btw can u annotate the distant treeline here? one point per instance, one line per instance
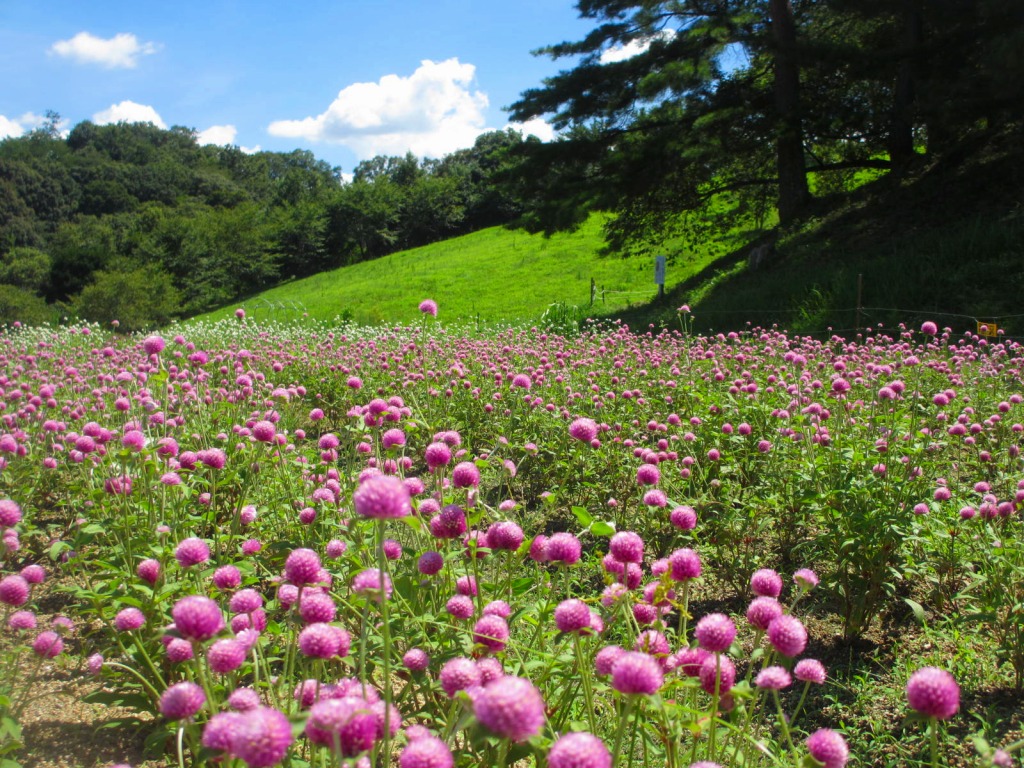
(133, 222)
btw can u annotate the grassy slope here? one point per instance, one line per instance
(946, 244)
(494, 275)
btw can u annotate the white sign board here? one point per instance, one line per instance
(659, 270)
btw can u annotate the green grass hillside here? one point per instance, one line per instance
(494, 275)
(946, 244)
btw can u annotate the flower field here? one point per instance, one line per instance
(431, 547)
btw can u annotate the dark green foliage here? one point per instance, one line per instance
(19, 305)
(218, 223)
(26, 268)
(138, 299)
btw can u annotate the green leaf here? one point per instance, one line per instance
(602, 528)
(918, 611)
(584, 517)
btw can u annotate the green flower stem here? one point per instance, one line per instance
(584, 673)
(627, 707)
(386, 685)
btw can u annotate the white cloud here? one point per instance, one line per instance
(431, 112)
(18, 126)
(221, 135)
(634, 47)
(129, 112)
(120, 51)
(536, 127)
(10, 128)
(251, 150)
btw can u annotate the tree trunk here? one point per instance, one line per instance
(789, 146)
(901, 128)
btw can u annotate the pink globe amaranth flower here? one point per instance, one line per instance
(645, 614)
(510, 707)
(372, 585)
(416, 660)
(324, 641)
(382, 497)
(497, 608)
(21, 620)
(684, 564)
(264, 431)
(182, 701)
(766, 583)
(762, 611)
(149, 570)
(392, 438)
(810, 671)
(583, 430)
(192, 551)
(689, 660)
(653, 643)
(243, 699)
(491, 632)
(317, 607)
(572, 616)
(262, 738)
(449, 523)
(428, 307)
(563, 548)
(153, 345)
(579, 750)
(522, 381)
(806, 579)
(227, 577)
(48, 644)
(129, 619)
(437, 455)
(717, 665)
(773, 678)
(10, 513)
(605, 659)
(637, 673)
(426, 752)
(466, 474)
(430, 563)
(335, 548)
(715, 632)
(505, 535)
(460, 607)
(347, 724)
(828, 748)
(929, 328)
(14, 590)
(787, 635)
(245, 601)
(178, 650)
(95, 664)
(684, 518)
(118, 486)
(197, 617)
(302, 567)
(225, 655)
(627, 547)
(220, 731)
(933, 692)
(459, 674)
(647, 474)
(214, 458)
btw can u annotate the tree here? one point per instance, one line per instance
(25, 268)
(664, 129)
(138, 298)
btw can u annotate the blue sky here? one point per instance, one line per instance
(347, 79)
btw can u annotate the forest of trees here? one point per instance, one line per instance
(768, 101)
(133, 222)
